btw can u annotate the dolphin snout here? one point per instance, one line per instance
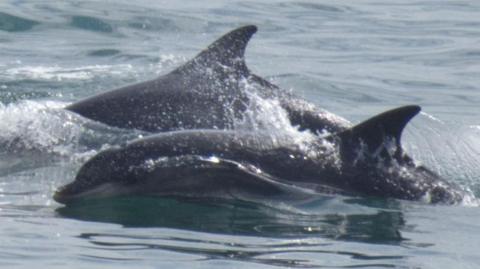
(64, 194)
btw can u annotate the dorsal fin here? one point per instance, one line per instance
(375, 131)
(228, 50)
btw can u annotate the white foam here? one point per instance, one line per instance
(37, 126)
(58, 73)
(470, 200)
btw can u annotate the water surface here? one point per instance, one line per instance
(355, 59)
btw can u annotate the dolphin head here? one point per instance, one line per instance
(103, 175)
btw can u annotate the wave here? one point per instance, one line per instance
(12, 23)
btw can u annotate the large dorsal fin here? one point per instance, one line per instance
(375, 131)
(228, 50)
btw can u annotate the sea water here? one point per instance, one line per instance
(353, 58)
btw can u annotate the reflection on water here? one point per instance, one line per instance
(306, 232)
(236, 217)
(260, 253)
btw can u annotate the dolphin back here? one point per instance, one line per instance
(199, 94)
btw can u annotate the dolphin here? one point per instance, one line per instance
(366, 159)
(207, 92)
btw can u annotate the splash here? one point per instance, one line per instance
(45, 127)
(450, 149)
(266, 114)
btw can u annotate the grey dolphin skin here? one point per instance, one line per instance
(207, 92)
(366, 159)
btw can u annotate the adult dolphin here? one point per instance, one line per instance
(207, 92)
(367, 159)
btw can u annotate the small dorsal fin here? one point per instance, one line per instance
(375, 131)
(228, 50)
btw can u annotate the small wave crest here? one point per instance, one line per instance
(57, 73)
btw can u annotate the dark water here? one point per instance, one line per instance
(354, 58)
